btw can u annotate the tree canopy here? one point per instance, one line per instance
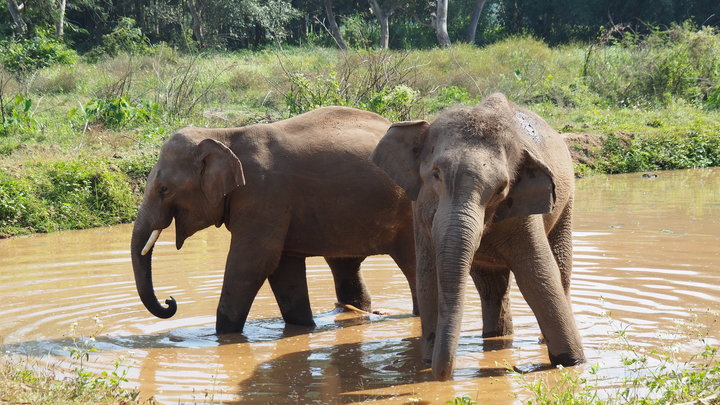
(399, 24)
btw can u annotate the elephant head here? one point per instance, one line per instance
(471, 168)
(190, 182)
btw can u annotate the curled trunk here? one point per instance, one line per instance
(142, 267)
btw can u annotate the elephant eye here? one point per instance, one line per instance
(436, 173)
(163, 190)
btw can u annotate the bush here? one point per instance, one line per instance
(126, 37)
(679, 63)
(118, 112)
(22, 57)
(659, 152)
(16, 116)
(74, 194)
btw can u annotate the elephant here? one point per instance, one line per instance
(295, 188)
(492, 189)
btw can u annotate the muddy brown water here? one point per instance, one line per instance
(647, 255)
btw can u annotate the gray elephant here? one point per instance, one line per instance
(295, 188)
(493, 189)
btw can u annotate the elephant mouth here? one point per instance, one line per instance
(180, 235)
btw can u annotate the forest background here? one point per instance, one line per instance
(89, 89)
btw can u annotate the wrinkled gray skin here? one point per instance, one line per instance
(295, 188)
(493, 189)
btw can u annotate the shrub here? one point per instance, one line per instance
(22, 57)
(659, 152)
(679, 63)
(126, 37)
(118, 112)
(75, 194)
(16, 116)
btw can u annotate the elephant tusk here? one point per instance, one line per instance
(151, 241)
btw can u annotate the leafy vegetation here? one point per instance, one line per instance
(75, 153)
(21, 382)
(651, 378)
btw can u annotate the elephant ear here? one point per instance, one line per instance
(220, 170)
(398, 154)
(532, 191)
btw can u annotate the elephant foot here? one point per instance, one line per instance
(299, 319)
(427, 348)
(224, 325)
(567, 359)
(503, 327)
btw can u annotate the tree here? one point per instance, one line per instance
(15, 11)
(383, 16)
(334, 30)
(196, 15)
(60, 24)
(441, 24)
(472, 28)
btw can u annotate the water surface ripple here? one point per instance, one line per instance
(645, 259)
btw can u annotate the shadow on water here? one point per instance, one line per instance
(355, 372)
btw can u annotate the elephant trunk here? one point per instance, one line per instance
(457, 245)
(141, 252)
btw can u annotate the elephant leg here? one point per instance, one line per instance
(247, 268)
(528, 254)
(349, 285)
(560, 239)
(289, 285)
(494, 288)
(404, 256)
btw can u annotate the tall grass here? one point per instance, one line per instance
(654, 98)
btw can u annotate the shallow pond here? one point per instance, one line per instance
(647, 256)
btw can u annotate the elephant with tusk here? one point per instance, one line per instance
(287, 190)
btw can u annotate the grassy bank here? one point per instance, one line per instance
(77, 141)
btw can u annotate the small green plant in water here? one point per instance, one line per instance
(86, 381)
(652, 378)
(463, 400)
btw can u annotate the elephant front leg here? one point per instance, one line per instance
(494, 288)
(350, 288)
(530, 258)
(246, 270)
(289, 285)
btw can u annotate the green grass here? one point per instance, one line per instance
(23, 382)
(77, 142)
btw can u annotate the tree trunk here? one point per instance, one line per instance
(472, 29)
(441, 24)
(15, 10)
(384, 21)
(60, 26)
(196, 14)
(334, 30)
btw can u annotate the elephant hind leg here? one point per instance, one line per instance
(493, 285)
(349, 285)
(289, 285)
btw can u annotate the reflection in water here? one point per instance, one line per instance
(645, 252)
